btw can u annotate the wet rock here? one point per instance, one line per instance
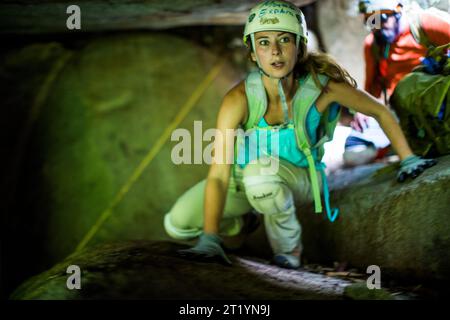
(151, 270)
(101, 15)
(401, 227)
(98, 110)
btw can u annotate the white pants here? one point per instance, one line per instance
(273, 194)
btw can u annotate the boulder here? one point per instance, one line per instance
(29, 17)
(86, 128)
(152, 270)
(401, 227)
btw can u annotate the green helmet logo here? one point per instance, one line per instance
(269, 20)
(251, 17)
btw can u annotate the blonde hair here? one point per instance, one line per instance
(320, 63)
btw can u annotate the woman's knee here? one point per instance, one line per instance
(265, 188)
(181, 230)
(268, 194)
(185, 219)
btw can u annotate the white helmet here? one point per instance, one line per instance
(276, 16)
(370, 6)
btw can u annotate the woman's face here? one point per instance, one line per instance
(276, 52)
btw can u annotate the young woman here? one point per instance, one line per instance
(276, 34)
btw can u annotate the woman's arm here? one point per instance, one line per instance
(360, 101)
(231, 114)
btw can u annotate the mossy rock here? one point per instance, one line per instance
(107, 106)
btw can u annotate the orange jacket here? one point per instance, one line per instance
(403, 56)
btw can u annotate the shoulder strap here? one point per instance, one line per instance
(375, 49)
(305, 97)
(417, 31)
(328, 123)
(256, 99)
(416, 27)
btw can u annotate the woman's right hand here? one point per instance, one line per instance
(208, 249)
(231, 114)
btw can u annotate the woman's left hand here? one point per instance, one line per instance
(359, 101)
(413, 166)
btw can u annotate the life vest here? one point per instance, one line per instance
(308, 92)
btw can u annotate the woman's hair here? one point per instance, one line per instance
(318, 63)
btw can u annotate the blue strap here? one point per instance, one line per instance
(326, 195)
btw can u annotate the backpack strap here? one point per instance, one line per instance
(256, 99)
(256, 108)
(378, 55)
(417, 31)
(309, 92)
(328, 122)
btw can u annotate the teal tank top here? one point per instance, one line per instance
(278, 141)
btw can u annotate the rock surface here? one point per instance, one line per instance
(82, 132)
(89, 112)
(151, 270)
(403, 228)
(29, 17)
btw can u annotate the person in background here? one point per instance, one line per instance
(397, 43)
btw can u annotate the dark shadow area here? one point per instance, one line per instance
(26, 206)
